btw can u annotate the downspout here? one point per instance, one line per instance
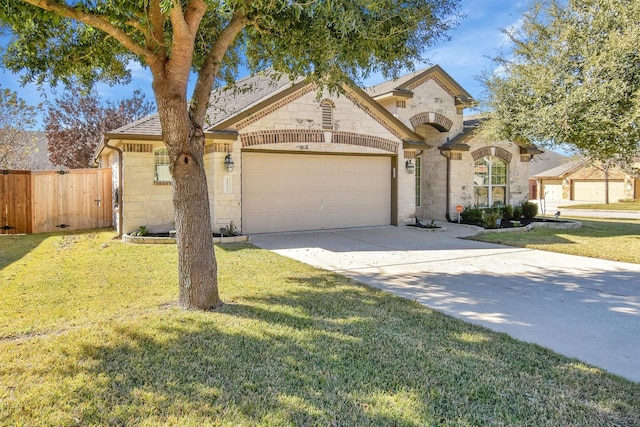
(120, 181)
(448, 195)
(446, 150)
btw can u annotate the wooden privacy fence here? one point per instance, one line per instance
(44, 201)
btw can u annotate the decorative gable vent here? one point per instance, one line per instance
(327, 113)
(401, 104)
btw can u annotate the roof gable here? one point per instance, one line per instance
(229, 106)
(407, 83)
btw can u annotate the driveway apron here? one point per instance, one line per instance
(580, 307)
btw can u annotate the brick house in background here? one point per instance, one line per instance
(584, 180)
(308, 160)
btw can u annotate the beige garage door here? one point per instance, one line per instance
(552, 190)
(594, 191)
(292, 192)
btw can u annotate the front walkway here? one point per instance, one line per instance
(581, 307)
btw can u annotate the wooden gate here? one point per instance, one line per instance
(47, 201)
(15, 202)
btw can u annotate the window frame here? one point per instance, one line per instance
(496, 177)
(161, 158)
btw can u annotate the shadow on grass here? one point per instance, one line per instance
(14, 247)
(307, 348)
(589, 229)
(305, 357)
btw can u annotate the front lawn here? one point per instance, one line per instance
(622, 206)
(615, 240)
(90, 335)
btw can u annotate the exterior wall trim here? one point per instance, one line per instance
(492, 151)
(284, 136)
(437, 120)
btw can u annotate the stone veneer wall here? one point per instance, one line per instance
(225, 188)
(305, 113)
(462, 174)
(145, 203)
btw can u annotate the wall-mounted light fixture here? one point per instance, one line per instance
(228, 163)
(410, 166)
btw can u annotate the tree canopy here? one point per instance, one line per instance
(57, 39)
(76, 122)
(572, 76)
(328, 41)
(16, 142)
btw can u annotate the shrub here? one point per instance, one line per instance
(490, 217)
(471, 215)
(507, 213)
(529, 210)
(517, 212)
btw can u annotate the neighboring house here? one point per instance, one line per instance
(540, 163)
(585, 180)
(36, 154)
(39, 157)
(305, 160)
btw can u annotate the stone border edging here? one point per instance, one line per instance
(150, 240)
(565, 225)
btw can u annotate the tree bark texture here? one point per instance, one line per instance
(197, 267)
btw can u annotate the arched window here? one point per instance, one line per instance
(327, 113)
(490, 182)
(161, 161)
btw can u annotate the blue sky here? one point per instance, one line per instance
(464, 56)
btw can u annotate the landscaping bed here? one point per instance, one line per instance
(169, 238)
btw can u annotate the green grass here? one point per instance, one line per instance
(91, 335)
(622, 206)
(615, 240)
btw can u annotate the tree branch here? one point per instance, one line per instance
(156, 21)
(211, 66)
(66, 11)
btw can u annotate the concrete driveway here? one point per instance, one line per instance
(581, 307)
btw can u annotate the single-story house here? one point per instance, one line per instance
(541, 163)
(305, 159)
(584, 180)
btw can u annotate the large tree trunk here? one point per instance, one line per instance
(197, 269)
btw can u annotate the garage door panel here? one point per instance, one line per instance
(309, 192)
(594, 191)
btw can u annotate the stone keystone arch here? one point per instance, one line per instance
(436, 120)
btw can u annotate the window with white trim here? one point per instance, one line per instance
(490, 182)
(161, 161)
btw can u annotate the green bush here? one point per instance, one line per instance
(507, 212)
(517, 212)
(490, 217)
(471, 215)
(529, 210)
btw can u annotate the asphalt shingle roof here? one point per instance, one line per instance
(390, 85)
(558, 171)
(224, 103)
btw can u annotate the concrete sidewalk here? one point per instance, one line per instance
(581, 307)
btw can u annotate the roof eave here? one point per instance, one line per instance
(401, 94)
(383, 112)
(410, 144)
(459, 91)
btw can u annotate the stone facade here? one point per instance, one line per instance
(407, 122)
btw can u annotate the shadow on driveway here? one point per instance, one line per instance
(581, 307)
